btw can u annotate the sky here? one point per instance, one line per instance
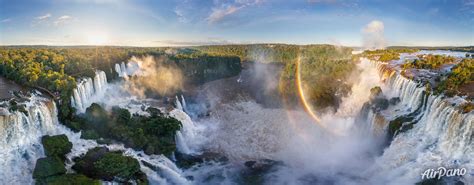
(207, 22)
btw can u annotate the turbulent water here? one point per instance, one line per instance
(87, 90)
(20, 145)
(354, 152)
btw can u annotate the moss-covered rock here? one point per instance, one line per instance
(56, 146)
(394, 100)
(69, 179)
(47, 167)
(375, 92)
(100, 163)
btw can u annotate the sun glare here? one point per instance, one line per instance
(97, 39)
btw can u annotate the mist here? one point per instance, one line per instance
(243, 127)
(373, 35)
(154, 76)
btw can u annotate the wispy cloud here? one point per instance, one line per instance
(219, 13)
(62, 20)
(5, 20)
(98, 1)
(322, 1)
(222, 10)
(43, 17)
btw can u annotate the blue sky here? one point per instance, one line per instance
(199, 22)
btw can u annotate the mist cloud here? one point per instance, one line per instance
(155, 76)
(373, 35)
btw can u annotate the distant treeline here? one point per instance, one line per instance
(451, 48)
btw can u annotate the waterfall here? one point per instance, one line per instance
(88, 90)
(178, 104)
(20, 134)
(407, 90)
(20, 145)
(442, 137)
(187, 136)
(183, 103)
(132, 68)
(441, 134)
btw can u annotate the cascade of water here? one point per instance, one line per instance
(20, 145)
(130, 69)
(178, 103)
(87, 89)
(442, 137)
(187, 136)
(19, 139)
(118, 70)
(183, 103)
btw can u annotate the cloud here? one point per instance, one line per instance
(62, 20)
(222, 10)
(219, 13)
(98, 1)
(373, 35)
(181, 17)
(43, 17)
(5, 20)
(322, 1)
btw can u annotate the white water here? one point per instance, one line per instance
(130, 69)
(20, 145)
(88, 90)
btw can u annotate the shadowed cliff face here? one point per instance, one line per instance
(6, 86)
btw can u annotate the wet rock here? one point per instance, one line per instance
(376, 92)
(394, 101)
(70, 179)
(256, 170)
(47, 167)
(380, 104)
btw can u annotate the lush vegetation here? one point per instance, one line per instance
(202, 67)
(54, 69)
(386, 55)
(324, 72)
(153, 134)
(51, 169)
(97, 164)
(462, 74)
(57, 146)
(100, 163)
(429, 62)
(265, 53)
(461, 49)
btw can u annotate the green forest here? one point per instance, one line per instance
(429, 62)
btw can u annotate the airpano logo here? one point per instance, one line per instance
(442, 172)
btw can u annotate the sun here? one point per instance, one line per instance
(97, 39)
